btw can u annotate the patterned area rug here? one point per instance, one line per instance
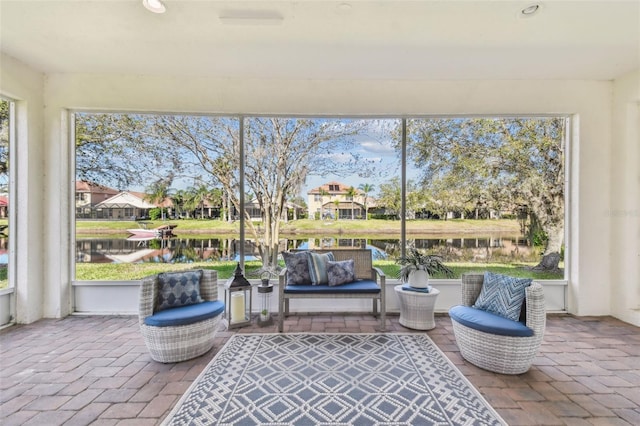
(331, 379)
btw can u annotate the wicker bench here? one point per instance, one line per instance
(369, 284)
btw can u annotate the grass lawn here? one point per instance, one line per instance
(133, 271)
(418, 226)
(311, 227)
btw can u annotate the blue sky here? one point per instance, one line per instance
(374, 148)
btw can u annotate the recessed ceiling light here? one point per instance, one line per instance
(155, 6)
(530, 10)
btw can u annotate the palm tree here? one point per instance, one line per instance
(351, 193)
(366, 188)
(178, 198)
(157, 192)
(216, 198)
(201, 195)
(195, 198)
(337, 204)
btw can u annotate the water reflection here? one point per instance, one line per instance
(185, 250)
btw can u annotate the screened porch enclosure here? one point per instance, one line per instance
(298, 70)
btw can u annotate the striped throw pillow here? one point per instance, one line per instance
(502, 295)
(318, 267)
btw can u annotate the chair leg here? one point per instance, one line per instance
(281, 315)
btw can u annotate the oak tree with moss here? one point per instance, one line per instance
(496, 163)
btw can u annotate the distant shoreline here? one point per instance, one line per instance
(313, 228)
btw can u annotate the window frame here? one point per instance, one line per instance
(569, 137)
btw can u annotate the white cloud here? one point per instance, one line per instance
(378, 148)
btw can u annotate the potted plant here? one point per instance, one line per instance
(417, 266)
(264, 315)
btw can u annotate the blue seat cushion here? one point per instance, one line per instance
(355, 287)
(185, 315)
(489, 323)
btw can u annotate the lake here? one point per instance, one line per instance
(468, 248)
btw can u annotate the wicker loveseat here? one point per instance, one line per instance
(495, 343)
(183, 329)
(369, 283)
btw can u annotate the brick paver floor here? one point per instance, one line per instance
(96, 370)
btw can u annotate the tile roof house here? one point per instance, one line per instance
(88, 195)
(331, 198)
(125, 205)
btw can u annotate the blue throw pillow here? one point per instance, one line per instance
(297, 264)
(502, 295)
(318, 267)
(341, 272)
(178, 289)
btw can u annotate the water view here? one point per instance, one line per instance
(467, 248)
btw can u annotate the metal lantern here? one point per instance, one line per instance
(265, 290)
(237, 295)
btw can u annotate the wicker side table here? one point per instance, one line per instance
(416, 308)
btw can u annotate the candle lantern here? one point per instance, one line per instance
(237, 295)
(265, 290)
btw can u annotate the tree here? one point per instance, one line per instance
(367, 189)
(502, 161)
(196, 197)
(351, 193)
(113, 150)
(279, 154)
(298, 202)
(158, 191)
(177, 198)
(390, 197)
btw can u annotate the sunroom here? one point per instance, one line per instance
(384, 60)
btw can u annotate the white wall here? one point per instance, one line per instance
(624, 213)
(590, 246)
(25, 86)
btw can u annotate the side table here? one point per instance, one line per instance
(416, 308)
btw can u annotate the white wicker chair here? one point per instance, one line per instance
(501, 354)
(183, 342)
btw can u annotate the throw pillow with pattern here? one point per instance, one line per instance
(318, 267)
(297, 264)
(341, 272)
(177, 289)
(502, 295)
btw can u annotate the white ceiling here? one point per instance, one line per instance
(387, 39)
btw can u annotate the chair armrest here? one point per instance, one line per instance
(148, 297)
(471, 286)
(282, 282)
(377, 272)
(380, 278)
(536, 308)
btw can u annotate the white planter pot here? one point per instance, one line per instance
(418, 278)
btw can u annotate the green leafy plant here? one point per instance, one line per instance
(415, 260)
